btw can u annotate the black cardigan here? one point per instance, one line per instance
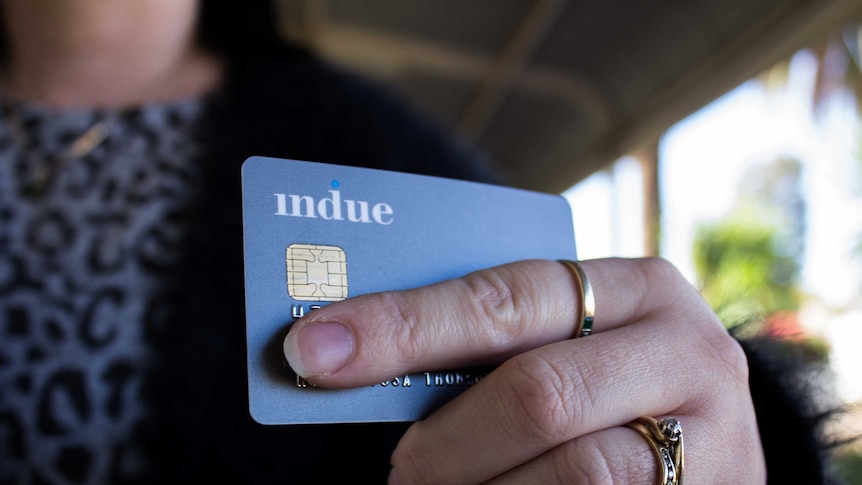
(291, 105)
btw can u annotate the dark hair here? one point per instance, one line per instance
(226, 28)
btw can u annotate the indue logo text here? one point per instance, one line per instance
(333, 208)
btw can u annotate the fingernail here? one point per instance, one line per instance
(318, 349)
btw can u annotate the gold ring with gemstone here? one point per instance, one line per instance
(665, 439)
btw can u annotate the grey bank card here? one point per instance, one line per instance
(317, 233)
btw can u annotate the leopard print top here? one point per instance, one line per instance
(85, 246)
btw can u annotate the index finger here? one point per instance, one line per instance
(482, 318)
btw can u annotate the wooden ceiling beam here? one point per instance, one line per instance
(509, 66)
(387, 56)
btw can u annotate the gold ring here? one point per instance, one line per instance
(588, 300)
(665, 439)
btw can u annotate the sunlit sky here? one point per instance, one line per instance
(702, 160)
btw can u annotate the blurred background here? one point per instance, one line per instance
(722, 135)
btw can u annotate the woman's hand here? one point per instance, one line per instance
(555, 410)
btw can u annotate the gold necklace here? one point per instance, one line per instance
(36, 174)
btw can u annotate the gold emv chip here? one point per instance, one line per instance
(316, 272)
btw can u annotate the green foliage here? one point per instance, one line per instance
(742, 273)
(848, 463)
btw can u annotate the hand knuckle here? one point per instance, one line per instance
(664, 275)
(650, 279)
(542, 404)
(405, 333)
(725, 354)
(589, 461)
(735, 363)
(582, 462)
(500, 307)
